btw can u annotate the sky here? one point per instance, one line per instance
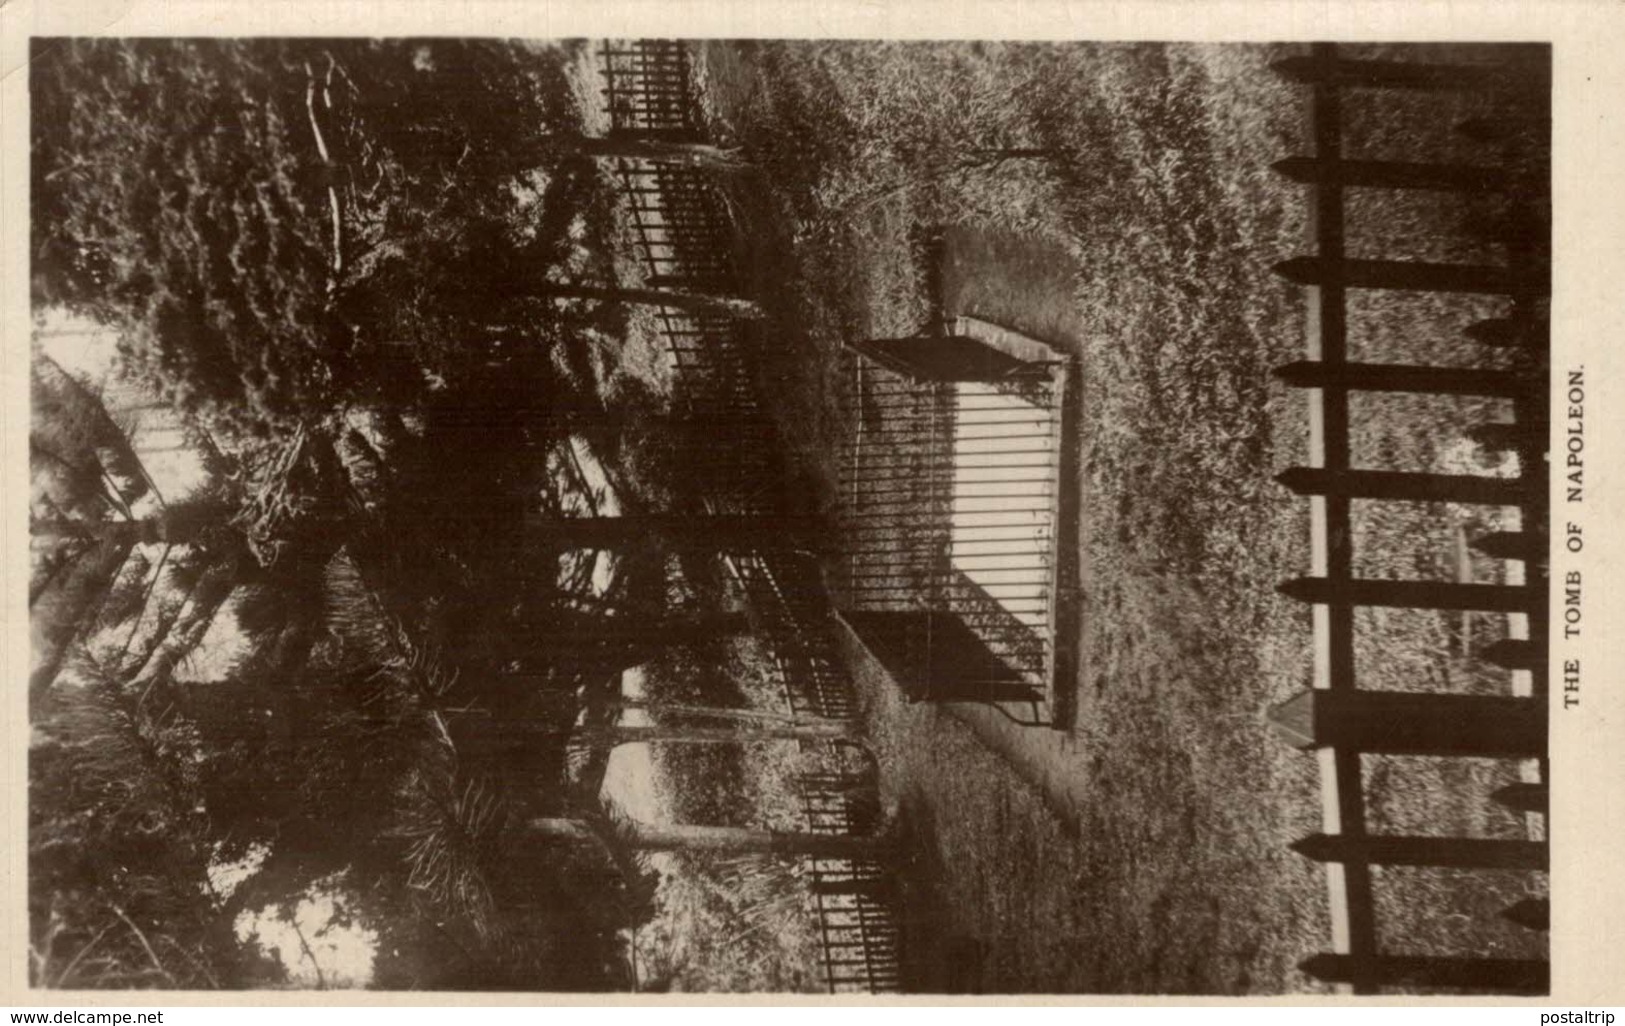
(83, 347)
(334, 954)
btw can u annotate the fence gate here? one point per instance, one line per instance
(1338, 718)
(854, 899)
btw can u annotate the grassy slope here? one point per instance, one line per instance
(1147, 255)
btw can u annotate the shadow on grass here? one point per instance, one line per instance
(936, 960)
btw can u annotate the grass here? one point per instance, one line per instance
(1146, 852)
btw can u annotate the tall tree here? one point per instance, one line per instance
(733, 840)
(284, 227)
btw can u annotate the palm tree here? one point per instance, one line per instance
(86, 479)
(730, 840)
(119, 893)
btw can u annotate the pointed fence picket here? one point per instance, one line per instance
(1337, 718)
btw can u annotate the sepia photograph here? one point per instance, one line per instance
(804, 516)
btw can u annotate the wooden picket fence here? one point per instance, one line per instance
(1337, 717)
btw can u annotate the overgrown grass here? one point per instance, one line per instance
(1143, 245)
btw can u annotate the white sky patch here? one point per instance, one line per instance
(632, 682)
(630, 777)
(593, 472)
(629, 782)
(79, 344)
(331, 954)
(226, 877)
(603, 572)
(222, 646)
(87, 349)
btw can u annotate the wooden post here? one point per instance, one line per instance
(736, 840)
(1525, 545)
(1515, 654)
(1359, 74)
(1494, 598)
(1400, 377)
(1509, 332)
(1406, 723)
(1413, 275)
(1512, 976)
(1517, 226)
(1393, 174)
(1499, 131)
(1406, 486)
(1442, 852)
(1524, 797)
(1531, 913)
(1509, 436)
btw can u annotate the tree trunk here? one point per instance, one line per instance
(641, 146)
(183, 638)
(117, 532)
(677, 299)
(731, 840)
(627, 144)
(614, 736)
(617, 644)
(715, 712)
(678, 532)
(654, 632)
(610, 737)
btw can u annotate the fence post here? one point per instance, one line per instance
(1393, 174)
(1441, 852)
(1400, 377)
(1494, 598)
(1336, 717)
(1412, 275)
(1518, 976)
(1407, 486)
(1358, 74)
(1406, 723)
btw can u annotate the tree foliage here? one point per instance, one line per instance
(340, 261)
(119, 850)
(258, 216)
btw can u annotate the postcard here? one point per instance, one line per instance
(1110, 501)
